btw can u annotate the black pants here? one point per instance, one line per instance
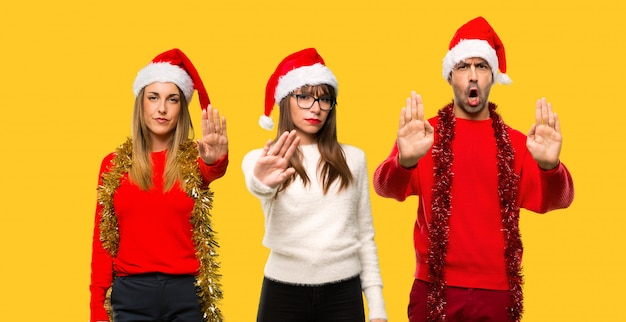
(334, 302)
(155, 297)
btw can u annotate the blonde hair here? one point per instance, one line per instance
(141, 169)
(332, 164)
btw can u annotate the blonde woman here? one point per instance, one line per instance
(152, 242)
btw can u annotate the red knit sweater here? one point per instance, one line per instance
(475, 256)
(155, 230)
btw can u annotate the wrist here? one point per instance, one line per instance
(549, 166)
(407, 163)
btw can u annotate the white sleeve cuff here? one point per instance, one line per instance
(375, 302)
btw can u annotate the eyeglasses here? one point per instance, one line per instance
(306, 102)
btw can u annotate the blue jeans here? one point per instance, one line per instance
(155, 297)
(332, 302)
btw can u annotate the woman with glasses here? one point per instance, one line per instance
(315, 196)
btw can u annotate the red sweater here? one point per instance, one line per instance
(475, 257)
(155, 230)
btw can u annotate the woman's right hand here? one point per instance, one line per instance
(272, 167)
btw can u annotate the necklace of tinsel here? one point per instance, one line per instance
(439, 226)
(207, 280)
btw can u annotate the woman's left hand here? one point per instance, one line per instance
(214, 143)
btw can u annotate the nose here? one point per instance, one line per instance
(472, 74)
(315, 108)
(162, 107)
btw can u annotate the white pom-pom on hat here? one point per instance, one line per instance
(266, 122)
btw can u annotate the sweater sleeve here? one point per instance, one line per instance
(545, 190)
(540, 190)
(371, 280)
(212, 172)
(391, 180)
(101, 261)
(256, 187)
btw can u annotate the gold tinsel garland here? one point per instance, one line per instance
(207, 280)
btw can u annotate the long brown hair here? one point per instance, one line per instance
(141, 169)
(332, 164)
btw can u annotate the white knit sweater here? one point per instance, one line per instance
(315, 238)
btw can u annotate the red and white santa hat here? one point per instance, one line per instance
(173, 66)
(305, 67)
(477, 39)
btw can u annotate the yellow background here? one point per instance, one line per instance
(67, 68)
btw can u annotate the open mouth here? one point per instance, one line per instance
(473, 97)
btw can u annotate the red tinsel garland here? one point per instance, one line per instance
(508, 187)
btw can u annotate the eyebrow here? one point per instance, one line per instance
(464, 63)
(159, 94)
(477, 60)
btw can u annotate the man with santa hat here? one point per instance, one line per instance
(473, 174)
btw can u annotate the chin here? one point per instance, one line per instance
(473, 109)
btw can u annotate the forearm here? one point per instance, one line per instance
(546, 190)
(375, 302)
(558, 187)
(101, 279)
(391, 180)
(258, 189)
(371, 280)
(212, 172)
